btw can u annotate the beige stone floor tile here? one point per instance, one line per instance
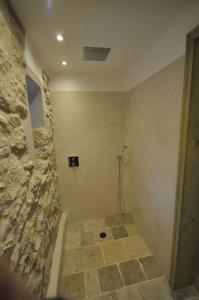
(88, 225)
(106, 296)
(98, 223)
(108, 233)
(131, 293)
(92, 284)
(114, 252)
(87, 238)
(156, 289)
(136, 246)
(73, 235)
(73, 287)
(111, 221)
(74, 227)
(68, 262)
(73, 242)
(109, 278)
(151, 267)
(93, 224)
(131, 272)
(132, 229)
(119, 232)
(88, 257)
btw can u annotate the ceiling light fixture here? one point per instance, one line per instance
(64, 63)
(60, 37)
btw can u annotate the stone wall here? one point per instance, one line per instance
(29, 201)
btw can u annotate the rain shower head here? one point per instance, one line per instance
(96, 53)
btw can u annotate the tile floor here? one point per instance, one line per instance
(117, 267)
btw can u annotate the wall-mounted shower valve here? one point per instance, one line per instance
(73, 161)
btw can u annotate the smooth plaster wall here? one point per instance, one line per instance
(89, 124)
(31, 60)
(152, 134)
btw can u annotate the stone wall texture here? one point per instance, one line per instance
(29, 200)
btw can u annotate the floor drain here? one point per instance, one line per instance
(102, 235)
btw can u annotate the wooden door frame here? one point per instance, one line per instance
(191, 37)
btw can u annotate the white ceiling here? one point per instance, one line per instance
(144, 35)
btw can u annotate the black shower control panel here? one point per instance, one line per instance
(73, 161)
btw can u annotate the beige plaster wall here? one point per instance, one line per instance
(152, 135)
(89, 124)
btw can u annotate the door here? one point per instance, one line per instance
(186, 237)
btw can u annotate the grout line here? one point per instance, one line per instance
(149, 280)
(142, 268)
(85, 283)
(94, 236)
(144, 256)
(125, 248)
(93, 233)
(109, 264)
(103, 256)
(98, 282)
(111, 234)
(118, 289)
(73, 267)
(116, 262)
(118, 266)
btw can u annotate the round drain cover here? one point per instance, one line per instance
(102, 235)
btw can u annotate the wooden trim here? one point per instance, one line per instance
(194, 34)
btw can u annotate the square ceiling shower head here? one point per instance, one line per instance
(96, 53)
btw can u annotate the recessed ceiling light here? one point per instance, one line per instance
(64, 63)
(60, 37)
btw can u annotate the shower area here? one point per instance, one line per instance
(104, 256)
(87, 178)
(90, 125)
